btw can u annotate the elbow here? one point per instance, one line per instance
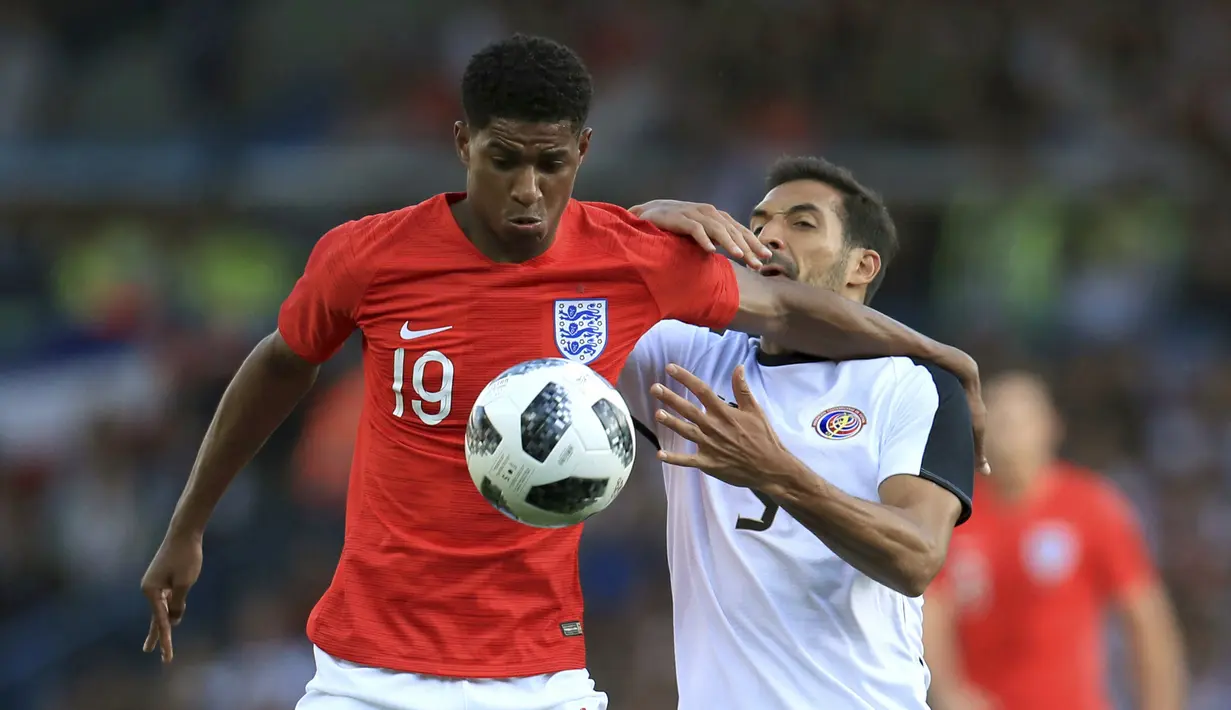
(913, 586)
(915, 572)
(277, 359)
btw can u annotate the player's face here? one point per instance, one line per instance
(800, 223)
(519, 176)
(1022, 426)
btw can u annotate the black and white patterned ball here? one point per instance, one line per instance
(549, 443)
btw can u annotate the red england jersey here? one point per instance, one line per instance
(432, 578)
(1029, 585)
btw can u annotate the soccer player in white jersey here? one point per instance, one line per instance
(810, 503)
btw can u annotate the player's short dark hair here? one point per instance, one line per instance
(865, 218)
(526, 78)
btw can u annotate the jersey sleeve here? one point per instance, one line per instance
(667, 342)
(1124, 560)
(320, 313)
(930, 434)
(687, 283)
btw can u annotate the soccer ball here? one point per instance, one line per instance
(549, 443)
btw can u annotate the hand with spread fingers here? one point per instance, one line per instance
(734, 444)
(707, 225)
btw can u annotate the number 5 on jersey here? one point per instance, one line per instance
(442, 398)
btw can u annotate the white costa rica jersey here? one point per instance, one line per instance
(767, 617)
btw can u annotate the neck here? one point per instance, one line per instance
(1018, 481)
(489, 244)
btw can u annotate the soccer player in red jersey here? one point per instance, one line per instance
(439, 601)
(1016, 619)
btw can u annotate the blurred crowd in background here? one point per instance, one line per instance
(1058, 172)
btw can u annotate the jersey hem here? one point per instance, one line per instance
(298, 347)
(967, 503)
(418, 666)
(727, 311)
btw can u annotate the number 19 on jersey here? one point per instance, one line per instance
(442, 397)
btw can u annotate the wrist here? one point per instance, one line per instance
(959, 363)
(790, 481)
(183, 529)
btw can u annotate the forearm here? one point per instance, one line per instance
(819, 322)
(947, 688)
(1158, 656)
(1160, 681)
(878, 540)
(263, 392)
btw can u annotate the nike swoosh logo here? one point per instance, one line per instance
(408, 334)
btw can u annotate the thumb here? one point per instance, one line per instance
(743, 391)
(177, 602)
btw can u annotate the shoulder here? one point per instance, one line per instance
(922, 383)
(897, 379)
(614, 217)
(946, 384)
(1088, 490)
(696, 344)
(622, 228)
(366, 236)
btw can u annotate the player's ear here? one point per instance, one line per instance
(863, 267)
(461, 142)
(583, 143)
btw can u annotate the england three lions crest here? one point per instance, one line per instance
(581, 328)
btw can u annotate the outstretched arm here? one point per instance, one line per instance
(314, 322)
(801, 317)
(820, 322)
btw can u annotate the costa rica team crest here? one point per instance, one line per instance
(581, 328)
(839, 423)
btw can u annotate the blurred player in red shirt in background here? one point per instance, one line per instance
(1015, 621)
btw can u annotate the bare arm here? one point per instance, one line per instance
(949, 689)
(268, 385)
(1158, 656)
(263, 392)
(926, 474)
(900, 542)
(801, 317)
(820, 322)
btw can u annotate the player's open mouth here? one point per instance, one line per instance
(771, 270)
(527, 226)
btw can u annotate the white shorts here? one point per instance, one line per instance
(342, 685)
